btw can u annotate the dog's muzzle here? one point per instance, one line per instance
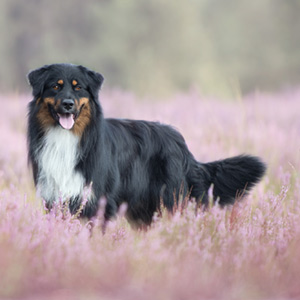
(66, 113)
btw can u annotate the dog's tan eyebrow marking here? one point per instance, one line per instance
(60, 81)
(74, 82)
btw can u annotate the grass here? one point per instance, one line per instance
(249, 251)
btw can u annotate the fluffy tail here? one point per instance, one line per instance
(233, 178)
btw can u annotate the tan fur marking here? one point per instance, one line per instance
(83, 100)
(44, 117)
(74, 82)
(60, 81)
(57, 104)
(84, 118)
(49, 100)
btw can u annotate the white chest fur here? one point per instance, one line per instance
(57, 159)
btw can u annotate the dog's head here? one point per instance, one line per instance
(64, 95)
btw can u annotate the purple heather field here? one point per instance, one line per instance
(248, 251)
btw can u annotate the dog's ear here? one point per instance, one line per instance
(37, 79)
(94, 79)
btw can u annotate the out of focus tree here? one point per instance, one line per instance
(156, 47)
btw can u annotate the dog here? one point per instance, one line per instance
(71, 145)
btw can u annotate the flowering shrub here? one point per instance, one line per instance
(248, 251)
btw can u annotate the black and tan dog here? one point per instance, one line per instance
(72, 145)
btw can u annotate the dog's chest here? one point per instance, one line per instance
(57, 159)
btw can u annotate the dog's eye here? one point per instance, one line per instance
(55, 87)
(77, 88)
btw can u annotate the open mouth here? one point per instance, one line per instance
(66, 121)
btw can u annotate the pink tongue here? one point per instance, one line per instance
(66, 121)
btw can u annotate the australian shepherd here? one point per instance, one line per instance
(71, 145)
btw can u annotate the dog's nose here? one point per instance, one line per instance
(68, 104)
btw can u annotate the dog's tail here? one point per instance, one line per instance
(232, 178)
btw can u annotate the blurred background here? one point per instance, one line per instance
(156, 48)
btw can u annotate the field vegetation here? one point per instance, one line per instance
(248, 251)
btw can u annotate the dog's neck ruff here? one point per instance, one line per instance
(57, 157)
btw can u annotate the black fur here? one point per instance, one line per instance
(137, 162)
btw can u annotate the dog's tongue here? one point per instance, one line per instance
(66, 121)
